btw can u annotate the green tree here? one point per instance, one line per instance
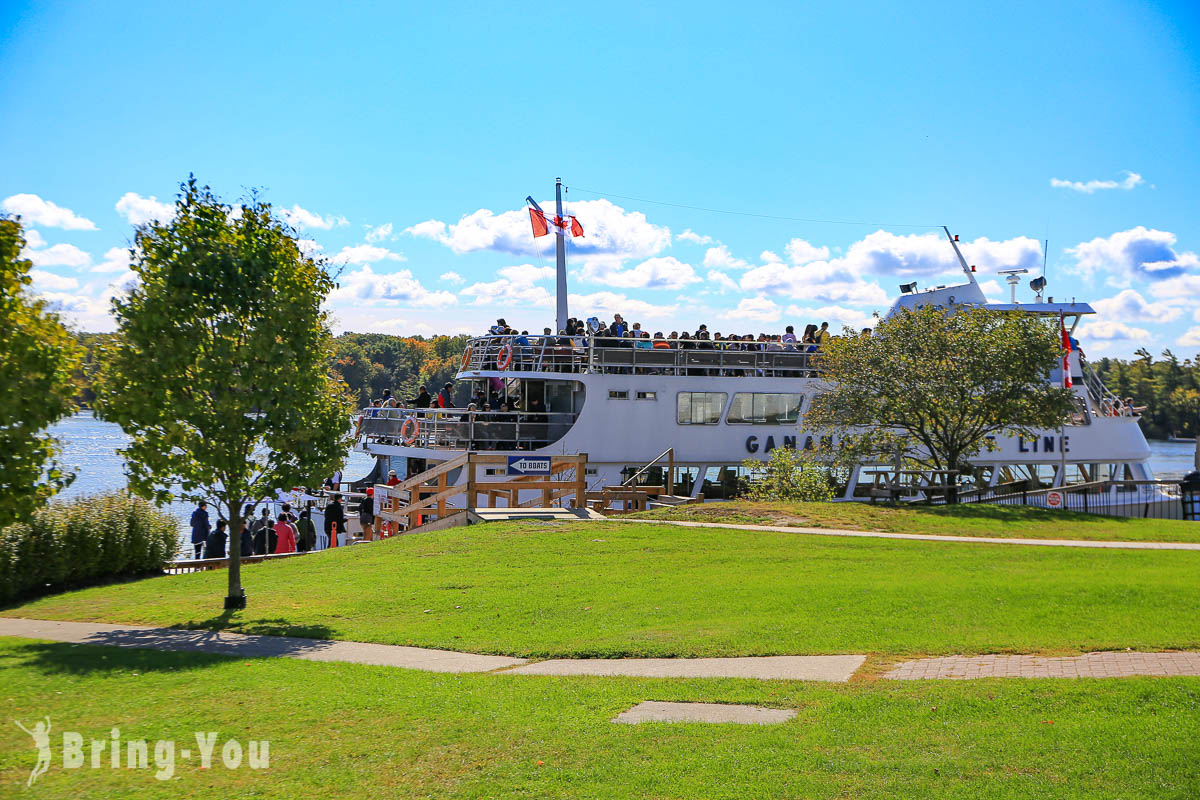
(788, 475)
(936, 385)
(37, 358)
(220, 372)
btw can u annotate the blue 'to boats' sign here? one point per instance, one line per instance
(528, 465)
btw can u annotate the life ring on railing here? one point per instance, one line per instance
(504, 357)
(466, 358)
(409, 434)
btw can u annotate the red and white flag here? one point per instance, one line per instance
(1066, 347)
(541, 223)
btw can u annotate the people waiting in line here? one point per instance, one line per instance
(306, 532)
(200, 528)
(366, 515)
(285, 534)
(215, 546)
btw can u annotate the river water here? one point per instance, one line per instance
(89, 448)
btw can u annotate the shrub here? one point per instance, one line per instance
(788, 475)
(83, 541)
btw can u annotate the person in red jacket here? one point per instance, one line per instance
(285, 535)
(445, 398)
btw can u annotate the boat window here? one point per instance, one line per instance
(647, 395)
(615, 395)
(699, 408)
(765, 408)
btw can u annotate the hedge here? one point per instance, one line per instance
(85, 541)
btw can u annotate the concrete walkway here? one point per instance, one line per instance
(239, 644)
(1089, 665)
(921, 537)
(809, 668)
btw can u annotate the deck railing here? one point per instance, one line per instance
(460, 429)
(592, 354)
(1157, 499)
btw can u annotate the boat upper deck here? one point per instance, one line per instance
(599, 355)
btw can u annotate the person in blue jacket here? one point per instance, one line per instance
(200, 527)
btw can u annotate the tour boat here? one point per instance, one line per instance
(626, 406)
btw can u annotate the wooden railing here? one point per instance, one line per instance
(424, 497)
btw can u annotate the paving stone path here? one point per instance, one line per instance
(1090, 665)
(921, 537)
(809, 668)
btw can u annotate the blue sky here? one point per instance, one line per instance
(402, 139)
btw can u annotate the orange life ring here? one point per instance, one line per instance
(504, 357)
(410, 436)
(466, 357)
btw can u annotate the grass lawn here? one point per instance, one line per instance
(341, 730)
(626, 589)
(1007, 522)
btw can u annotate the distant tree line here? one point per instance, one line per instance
(1169, 388)
(369, 363)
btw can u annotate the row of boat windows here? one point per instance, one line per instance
(747, 408)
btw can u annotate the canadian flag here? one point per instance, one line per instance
(541, 224)
(1066, 347)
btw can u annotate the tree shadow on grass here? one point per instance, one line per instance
(178, 647)
(63, 658)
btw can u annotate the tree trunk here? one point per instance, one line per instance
(236, 599)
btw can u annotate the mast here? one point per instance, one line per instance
(560, 257)
(961, 260)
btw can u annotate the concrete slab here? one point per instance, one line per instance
(790, 668)
(236, 644)
(654, 711)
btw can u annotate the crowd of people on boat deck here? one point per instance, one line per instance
(286, 532)
(620, 333)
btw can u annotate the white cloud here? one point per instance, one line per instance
(1183, 287)
(395, 288)
(1130, 306)
(821, 281)
(1110, 330)
(926, 255)
(608, 230)
(1130, 180)
(379, 233)
(836, 316)
(452, 278)
(44, 281)
(609, 303)
(1136, 254)
(756, 308)
(309, 247)
(116, 259)
(726, 283)
(366, 254)
(33, 239)
(36, 211)
(689, 235)
(801, 252)
(138, 210)
(769, 257)
(59, 255)
(664, 272)
(719, 257)
(1190, 337)
(301, 219)
(516, 286)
